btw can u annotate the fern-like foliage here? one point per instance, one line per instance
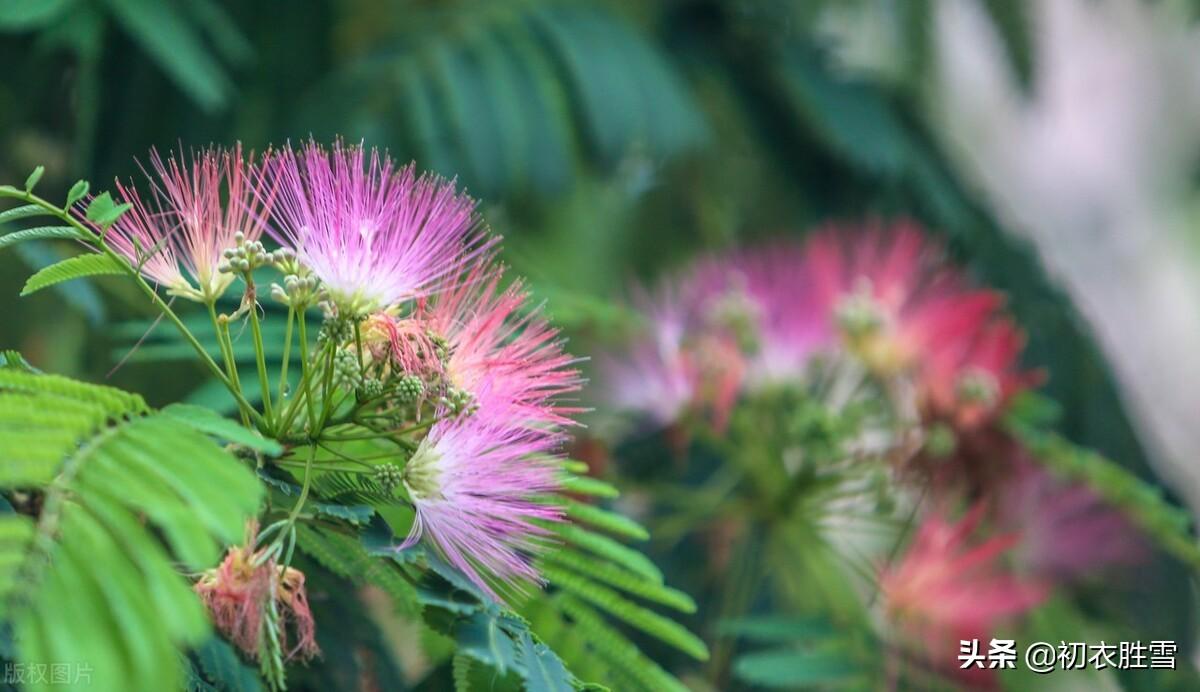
(512, 96)
(97, 477)
(802, 653)
(598, 588)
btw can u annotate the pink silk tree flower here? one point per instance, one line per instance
(375, 236)
(766, 298)
(1067, 532)
(950, 586)
(903, 310)
(502, 351)
(194, 211)
(475, 487)
(656, 376)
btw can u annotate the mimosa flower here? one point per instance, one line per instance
(475, 486)
(375, 235)
(194, 210)
(657, 376)
(1067, 532)
(503, 352)
(949, 586)
(765, 298)
(904, 311)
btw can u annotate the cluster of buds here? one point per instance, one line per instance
(245, 256)
(409, 389)
(297, 291)
(336, 330)
(370, 388)
(459, 402)
(346, 368)
(389, 477)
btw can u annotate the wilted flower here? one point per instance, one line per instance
(949, 586)
(238, 593)
(374, 235)
(475, 486)
(195, 209)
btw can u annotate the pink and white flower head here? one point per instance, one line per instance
(1068, 533)
(193, 212)
(503, 352)
(475, 485)
(765, 298)
(657, 376)
(374, 235)
(950, 586)
(901, 309)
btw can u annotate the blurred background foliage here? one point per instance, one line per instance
(608, 141)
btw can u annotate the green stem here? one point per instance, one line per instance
(227, 356)
(287, 355)
(327, 384)
(358, 344)
(305, 372)
(344, 457)
(259, 358)
(87, 233)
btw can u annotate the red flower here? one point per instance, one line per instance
(904, 311)
(949, 587)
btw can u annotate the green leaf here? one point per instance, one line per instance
(72, 268)
(103, 211)
(121, 482)
(584, 485)
(609, 549)
(39, 233)
(481, 638)
(175, 47)
(544, 671)
(608, 521)
(645, 620)
(346, 557)
(790, 669)
(1169, 525)
(225, 669)
(79, 295)
(206, 421)
(32, 181)
(78, 191)
(23, 212)
(779, 628)
(1013, 22)
(13, 359)
(23, 15)
(588, 568)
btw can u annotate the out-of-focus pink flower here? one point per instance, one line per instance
(902, 310)
(656, 376)
(475, 486)
(177, 233)
(502, 351)
(950, 586)
(375, 236)
(765, 298)
(1066, 531)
